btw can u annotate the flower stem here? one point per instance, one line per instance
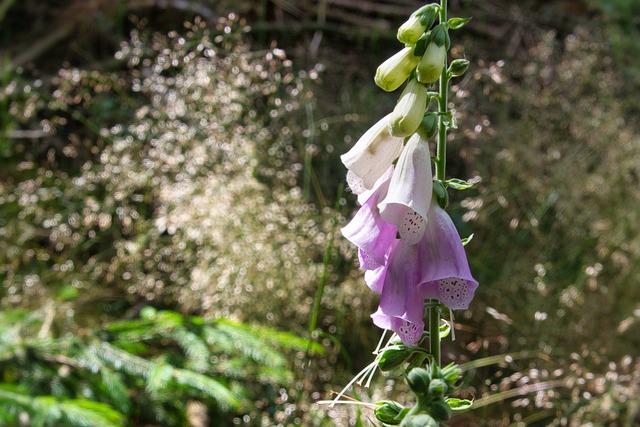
(441, 162)
(434, 333)
(441, 153)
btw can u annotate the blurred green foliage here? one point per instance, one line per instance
(162, 368)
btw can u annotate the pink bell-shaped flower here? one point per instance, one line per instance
(401, 306)
(444, 273)
(368, 231)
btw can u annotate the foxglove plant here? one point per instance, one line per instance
(408, 246)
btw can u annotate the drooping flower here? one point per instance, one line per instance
(368, 231)
(408, 112)
(445, 273)
(372, 154)
(393, 72)
(401, 305)
(410, 191)
(435, 268)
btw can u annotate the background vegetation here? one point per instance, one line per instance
(171, 194)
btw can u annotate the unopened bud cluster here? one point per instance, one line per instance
(432, 386)
(421, 62)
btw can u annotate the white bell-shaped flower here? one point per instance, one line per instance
(372, 155)
(410, 191)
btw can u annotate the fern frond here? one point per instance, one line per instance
(233, 340)
(72, 412)
(282, 339)
(159, 376)
(121, 360)
(196, 349)
(212, 388)
(115, 389)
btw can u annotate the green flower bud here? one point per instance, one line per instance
(419, 379)
(393, 357)
(440, 410)
(431, 64)
(437, 387)
(418, 23)
(408, 113)
(387, 411)
(429, 125)
(442, 197)
(396, 70)
(419, 420)
(458, 67)
(411, 31)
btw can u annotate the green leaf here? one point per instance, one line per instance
(115, 389)
(459, 404)
(449, 120)
(68, 293)
(86, 413)
(219, 392)
(459, 184)
(457, 23)
(195, 348)
(158, 378)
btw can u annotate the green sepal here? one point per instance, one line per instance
(437, 388)
(389, 412)
(429, 126)
(465, 241)
(421, 45)
(418, 380)
(428, 14)
(440, 410)
(459, 184)
(419, 420)
(457, 23)
(459, 405)
(393, 357)
(440, 36)
(441, 193)
(449, 121)
(417, 361)
(452, 374)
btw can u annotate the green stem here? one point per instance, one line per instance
(441, 153)
(434, 332)
(441, 162)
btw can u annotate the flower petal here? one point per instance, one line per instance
(445, 274)
(410, 191)
(369, 232)
(400, 305)
(374, 152)
(410, 333)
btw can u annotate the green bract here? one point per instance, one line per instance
(458, 67)
(388, 412)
